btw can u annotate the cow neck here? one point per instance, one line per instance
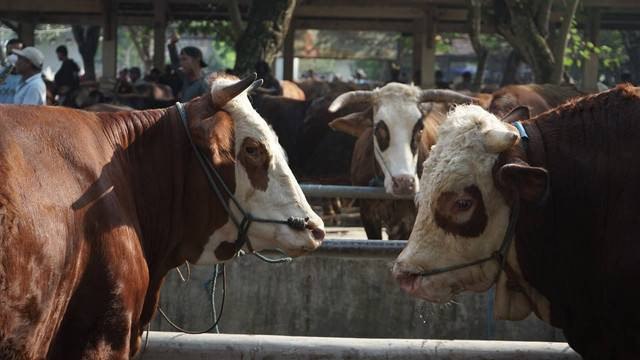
(175, 214)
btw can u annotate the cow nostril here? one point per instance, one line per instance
(318, 234)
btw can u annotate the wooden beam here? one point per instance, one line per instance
(288, 53)
(27, 32)
(109, 39)
(355, 12)
(159, 32)
(80, 6)
(346, 25)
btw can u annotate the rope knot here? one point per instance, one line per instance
(297, 223)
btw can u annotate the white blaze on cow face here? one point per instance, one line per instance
(265, 187)
(397, 124)
(462, 216)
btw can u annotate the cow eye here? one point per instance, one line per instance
(251, 150)
(463, 204)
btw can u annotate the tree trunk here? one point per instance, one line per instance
(235, 17)
(267, 26)
(87, 38)
(525, 25)
(475, 23)
(141, 39)
(511, 68)
(631, 40)
(560, 39)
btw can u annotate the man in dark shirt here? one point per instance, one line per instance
(67, 78)
(189, 66)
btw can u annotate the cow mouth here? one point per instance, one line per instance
(423, 288)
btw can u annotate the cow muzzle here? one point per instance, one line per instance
(403, 185)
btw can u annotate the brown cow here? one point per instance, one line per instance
(96, 208)
(537, 97)
(555, 204)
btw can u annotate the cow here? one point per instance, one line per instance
(538, 97)
(392, 134)
(96, 208)
(545, 209)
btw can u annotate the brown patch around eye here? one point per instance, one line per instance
(448, 219)
(255, 158)
(416, 136)
(382, 135)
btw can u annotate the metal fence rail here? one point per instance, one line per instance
(357, 249)
(354, 192)
(167, 345)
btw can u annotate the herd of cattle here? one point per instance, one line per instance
(531, 188)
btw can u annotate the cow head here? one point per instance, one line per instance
(463, 207)
(397, 123)
(264, 184)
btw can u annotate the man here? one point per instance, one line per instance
(9, 79)
(31, 90)
(190, 68)
(67, 78)
(440, 82)
(466, 82)
(270, 84)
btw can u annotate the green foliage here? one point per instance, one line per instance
(220, 30)
(578, 50)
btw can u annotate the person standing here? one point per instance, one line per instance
(68, 76)
(189, 66)
(9, 79)
(31, 90)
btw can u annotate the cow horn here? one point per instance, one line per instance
(357, 96)
(223, 95)
(499, 140)
(448, 96)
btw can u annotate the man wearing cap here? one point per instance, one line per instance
(9, 79)
(191, 67)
(31, 90)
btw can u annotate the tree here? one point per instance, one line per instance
(525, 25)
(267, 26)
(475, 23)
(142, 39)
(631, 40)
(87, 38)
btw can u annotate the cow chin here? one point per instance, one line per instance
(441, 288)
(276, 236)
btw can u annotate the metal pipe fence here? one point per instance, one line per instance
(354, 192)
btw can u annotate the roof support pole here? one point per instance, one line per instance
(159, 33)
(27, 31)
(109, 39)
(424, 49)
(288, 53)
(590, 65)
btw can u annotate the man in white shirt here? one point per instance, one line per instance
(9, 79)
(32, 90)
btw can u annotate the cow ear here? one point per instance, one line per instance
(531, 183)
(216, 134)
(518, 114)
(353, 124)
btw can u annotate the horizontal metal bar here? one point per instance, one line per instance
(354, 192)
(170, 345)
(356, 249)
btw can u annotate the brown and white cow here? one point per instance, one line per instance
(96, 208)
(397, 122)
(566, 185)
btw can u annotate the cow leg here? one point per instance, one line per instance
(370, 220)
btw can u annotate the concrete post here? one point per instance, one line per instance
(590, 65)
(109, 39)
(288, 54)
(27, 33)
(159, 32)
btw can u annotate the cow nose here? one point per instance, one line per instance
(316, 231)
(404, 185)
